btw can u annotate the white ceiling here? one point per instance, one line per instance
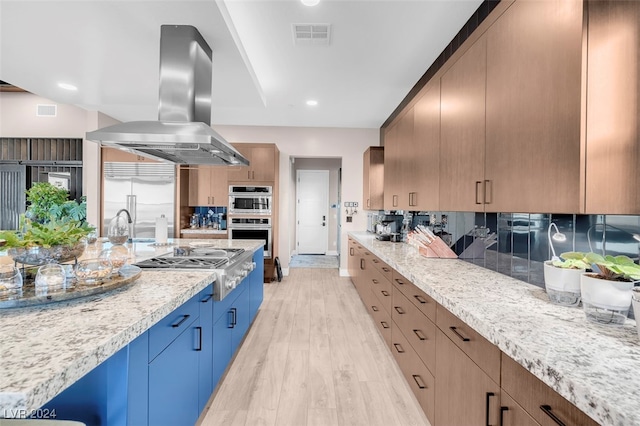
(110, 51)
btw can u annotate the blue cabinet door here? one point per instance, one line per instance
(241, 318)
(205, 367)
(222, 330)
(173, 378)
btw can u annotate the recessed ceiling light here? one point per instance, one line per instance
(310, 2)
(67, 86)
(311, 102)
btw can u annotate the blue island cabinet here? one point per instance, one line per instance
(167, 375)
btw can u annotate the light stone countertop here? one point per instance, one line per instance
(595, 367)
(45, 349)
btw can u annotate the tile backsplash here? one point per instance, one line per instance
(517, 244)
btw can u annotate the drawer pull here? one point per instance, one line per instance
(399, 310)
(375, 260)
(350, 251)
(486, 418)
(384, 324)
(548, 412)
(206, 299)
(179, 323)
(384, 292)
(199, 339)
(399, 281)
(457, 333)
(374, 308)
(362, 264)
(419, 381)
(375, 281)
(502, 410)
(420, 298)
(420, 334)
(385, 269)
(398, 348)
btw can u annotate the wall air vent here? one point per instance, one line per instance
(318, 34)
(44, 110)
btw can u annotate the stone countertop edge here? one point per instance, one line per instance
(594, 367)
(45, 349)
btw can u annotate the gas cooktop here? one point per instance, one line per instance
(194, 258)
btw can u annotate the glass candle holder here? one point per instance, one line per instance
(50, 277)
(117, 255)
(92, 271)
(10, 281)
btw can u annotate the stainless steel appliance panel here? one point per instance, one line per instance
(146, 190)
(252, 228)
(12, 196)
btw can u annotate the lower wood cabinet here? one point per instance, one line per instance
(512, 414)
(465, 395)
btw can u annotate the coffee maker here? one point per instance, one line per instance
(388, 227)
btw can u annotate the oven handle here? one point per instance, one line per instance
(250, 227)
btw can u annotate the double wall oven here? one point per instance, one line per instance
(250, 214)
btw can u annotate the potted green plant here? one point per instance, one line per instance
(607, 291)
(52, 229)
(562, 278)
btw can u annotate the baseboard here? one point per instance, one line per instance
(344, 272)
(332, 253)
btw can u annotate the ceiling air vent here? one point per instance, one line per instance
(46, 110)
(319, 34)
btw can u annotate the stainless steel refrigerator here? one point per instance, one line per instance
(146, 190)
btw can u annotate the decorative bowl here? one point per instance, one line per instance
(92, 271)
(39, 255)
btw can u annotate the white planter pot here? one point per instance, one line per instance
(562, 284)
(635, 300)
(604, 301)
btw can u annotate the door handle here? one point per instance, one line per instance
(368, 202)
(478, 182)
(488, 183)
(253, 174)
(395, 201)
(199, 339)
(489, 395)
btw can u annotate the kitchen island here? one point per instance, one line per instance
(46, 349)
(594, 367)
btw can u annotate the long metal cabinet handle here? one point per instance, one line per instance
(548, 412)
(374, 308)
(419, 381)
(486, 184)
(478, 182)
(207, 298)
(350, 251)
(385, 269)
(399, 281)
(399, 310)
(362, 264)
(179, 323)
(486, 418)
(384, 324)
(199, 339)
(420, 334)
(384, 293)
(368, 202)
(457, 333)
(234, 311)
(395, 201)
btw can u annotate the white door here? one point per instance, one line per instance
(312, 193)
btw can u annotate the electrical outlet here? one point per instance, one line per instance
(349, 219)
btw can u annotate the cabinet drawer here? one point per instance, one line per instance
(418, 297)
(171, 326)
(384, 269)
(382, 319)
(420, 380)
(512, 414)
(538, 399)
(485, 354)
(419, 331)
(382, 288)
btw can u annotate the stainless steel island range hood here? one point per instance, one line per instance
(182, 134)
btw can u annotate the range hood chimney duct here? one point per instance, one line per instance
(183, 134)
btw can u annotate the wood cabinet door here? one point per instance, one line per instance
(533, 108)
(241, 173)
(373, 178)
(613, 108)
(462, 137)
(392, 168)
(263, 163)
(466, 395)
(407, 164)
(199, 185)
(422, 156)
(218, 186)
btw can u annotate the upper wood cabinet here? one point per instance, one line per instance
(262, 167)
(373, 178)
(208, 186)
(463, 131)
(392, 168)
(613, 108)
(533, 108)
(422, 171)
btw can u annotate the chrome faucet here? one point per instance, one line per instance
(131, 228)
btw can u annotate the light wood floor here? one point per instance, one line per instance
(313, 357)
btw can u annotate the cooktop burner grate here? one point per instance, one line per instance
(183, 262)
